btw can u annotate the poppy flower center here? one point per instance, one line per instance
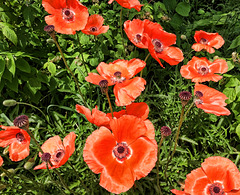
(93, 29)
(158, 46)
(68, 14)
(137, 38)
(203, 41)
(203, 70)
(118, 77)
(20, 137)
(216, 189)
(59, 155)
(46, 156)
(121, 151)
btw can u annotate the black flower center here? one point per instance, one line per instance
(20, 137)
(203, 70)
(58, 155)
(203, 41)
(68, 14)
(118, 77)
(158, 46)
(93, 29)
(121, 151)
(137, 38)
(216, 189)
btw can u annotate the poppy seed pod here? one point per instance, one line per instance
(185, 96)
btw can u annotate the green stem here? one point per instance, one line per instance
(158, 154)
(109, 102)
(81, 51)
(65, 62)
(145, 62)
(56, 183)
(176, 139)
(121, 30)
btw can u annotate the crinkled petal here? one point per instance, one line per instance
(199, 47)
(128, 91)
(52, 145)
(141, 110)
(18, 151)
(172, 55)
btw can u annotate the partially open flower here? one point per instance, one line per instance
(67, 16)
(207, 41)
(56, 151)
(217, 176)
(95, 25)
(210, 100)
(18, 141)
(201, 69)
(129, 4)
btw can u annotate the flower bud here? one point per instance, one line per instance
(165, 131)
(9, 102)
(21, 121)
(104, 86)
(5, 151)
(29, 164)
(183, 37)
(185, 96)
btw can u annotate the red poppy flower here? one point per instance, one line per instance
(95, 25)
(207, 41)
(122, 155)
(58, 151)
(201, 69)
(18, 141)
(210, 100)
(67, 16)
(135, 31)
(120, 73)
(218, 175)
(159, 42)
(129, 4)
(1, 161)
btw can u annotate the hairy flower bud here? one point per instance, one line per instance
(9, 102)
(29, 164)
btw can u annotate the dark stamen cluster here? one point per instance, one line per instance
(46, 157)
(165, 131)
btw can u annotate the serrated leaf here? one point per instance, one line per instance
(183, 9)
(10, 34)
(23, 65)
(11, 66)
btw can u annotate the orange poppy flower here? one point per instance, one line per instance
(218, 175)
(201, 69)
(58, 151)
(159, 42)
(120, 73)
(211, 100)
(122, 155)
(135, 31)
(18, 141)
(1, 161)
(129, 4)
(67, 16)
(207, 41)
(95, 25)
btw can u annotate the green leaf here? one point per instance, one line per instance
(233, 82)
(238, 130)
(183, 9)
(2, 67)
(23, 65)
(34, 85)
(52, 68)
(235, 42)
(170, 4)
(13, 85)
(231, 94)
(10, 34)
(11, 66)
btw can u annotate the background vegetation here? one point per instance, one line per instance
(32, 71)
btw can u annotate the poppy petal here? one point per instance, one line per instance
(199, 47)
(220, 169)
(8, 136)
(178, 192)
(219, 66)
(98, 145)
(69, 143)
(140, 110)
(197, 182)
(18, 151)
(150, 133)
(172, 55)
(143, 162)
(52, 145)
(128, 91)
(95, 78)
(127, 128)
(52, 5)
(1, 161)
(85, 111)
